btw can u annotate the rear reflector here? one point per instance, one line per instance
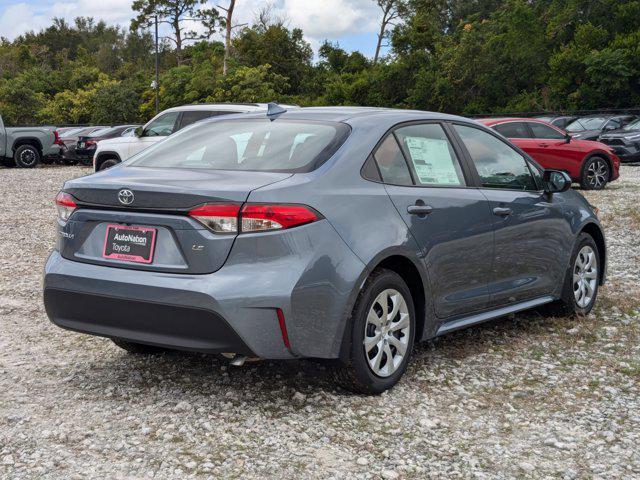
(283, 328)
(65, 204)
(258, 218)
(226, 218)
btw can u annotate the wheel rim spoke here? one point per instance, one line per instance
(387, 332)
(585, 274)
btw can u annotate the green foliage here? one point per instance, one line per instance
(458, 56)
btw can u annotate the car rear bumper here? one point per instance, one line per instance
(307, 272)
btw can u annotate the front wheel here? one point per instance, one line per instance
(383, 328)
(580, 287)
(595, 174)
(26, 156)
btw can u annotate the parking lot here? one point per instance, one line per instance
(526, 396)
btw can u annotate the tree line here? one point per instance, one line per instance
(456, 56)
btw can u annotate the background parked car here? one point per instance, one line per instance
(592, 126)
(69, 142)
(592, 164)
(113, 151)
(559, 121)
(27, 146)
(624, 141)
(86, 144)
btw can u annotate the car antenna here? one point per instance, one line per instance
(274, 110)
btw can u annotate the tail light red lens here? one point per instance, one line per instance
(259, 218)
(229, 218)
(65, 204)
(56, 137)
(217, 217)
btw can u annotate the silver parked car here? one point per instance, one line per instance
(335, 233)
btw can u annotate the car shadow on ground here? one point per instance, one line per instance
(184, 376)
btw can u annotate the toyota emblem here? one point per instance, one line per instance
(125, 196)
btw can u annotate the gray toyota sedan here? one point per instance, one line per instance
(331, 233)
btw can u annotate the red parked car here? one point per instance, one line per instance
(592, 164)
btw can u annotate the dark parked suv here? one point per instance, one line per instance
(335, 233)
(624, 141)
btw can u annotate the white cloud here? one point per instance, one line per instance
(319, 19)
(332, 18)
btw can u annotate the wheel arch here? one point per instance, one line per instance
(33, 141)
(104, 156)
(594, 230)
(411, 272)
(601, 154)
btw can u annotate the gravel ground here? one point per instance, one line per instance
(521, 397)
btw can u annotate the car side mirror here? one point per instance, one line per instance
(556, 181)
(567, 138)
(139, 132)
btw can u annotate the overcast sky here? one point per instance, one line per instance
(352, 23)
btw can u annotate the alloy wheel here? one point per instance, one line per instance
(28, 157)
(597, 174)
(387, 333)
(585, 276)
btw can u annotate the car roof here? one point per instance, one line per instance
(222, 107)
(344, 114)
(496, 121)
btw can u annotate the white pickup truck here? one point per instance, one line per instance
(25, 147)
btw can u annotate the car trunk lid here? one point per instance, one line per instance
(139, 201)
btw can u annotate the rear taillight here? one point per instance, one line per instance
(217, 217)
(258, 218)
(65, 204)
(56, 137)
(229, 218)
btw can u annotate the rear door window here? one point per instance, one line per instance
(543, 131)
(513, 130)
(430, 155)
(190, 117)
(391, 163)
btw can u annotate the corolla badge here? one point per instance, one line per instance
(125, 196)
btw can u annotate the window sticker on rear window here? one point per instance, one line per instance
(432, 161)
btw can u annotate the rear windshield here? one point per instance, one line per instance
(586, 123)
(247, 144)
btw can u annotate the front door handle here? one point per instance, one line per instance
(419, 209)
(545, 145)
(502, 211)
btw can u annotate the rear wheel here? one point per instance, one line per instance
(108, 164)
(580, 287)
(137, 348)
(383, 326)
(595, 174)
(26, 156)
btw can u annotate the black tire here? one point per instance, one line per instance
(138, 348)
(355, 374)
(26, 156)
(567, 304)
(595, 174)
(108, 164)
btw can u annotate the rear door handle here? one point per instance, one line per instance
(502, 211)
(419, 209)
(544, 145)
